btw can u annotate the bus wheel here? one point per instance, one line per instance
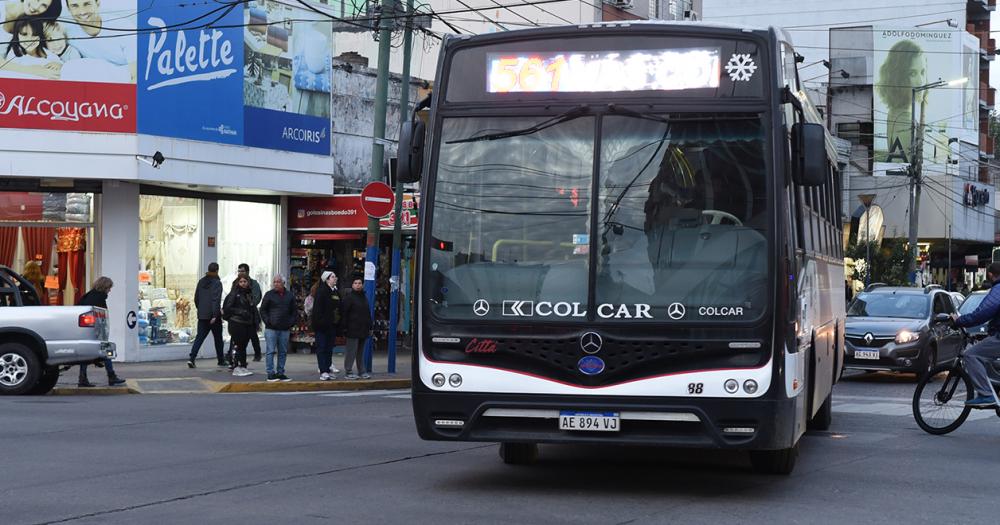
(823, 418)
(518, 453)
(774, 461)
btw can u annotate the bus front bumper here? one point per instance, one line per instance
(756, 424)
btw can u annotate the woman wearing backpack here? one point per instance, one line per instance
(325, 319)
(238, 309)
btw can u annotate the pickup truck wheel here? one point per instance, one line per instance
(19, 369)
(46, 382)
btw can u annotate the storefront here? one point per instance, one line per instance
(48, 237)
(329, 232)
(171, 260)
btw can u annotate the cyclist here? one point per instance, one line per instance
(981, 354)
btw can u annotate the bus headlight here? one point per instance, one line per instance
(438, 380)
(750, 386)
(455, 380)
(731, 386)
(906, 336)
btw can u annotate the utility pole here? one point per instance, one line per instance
(397, 227)
(916, 165)
(917, 162)
(378, 157)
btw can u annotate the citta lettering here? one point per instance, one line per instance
(187, 63)
(70, 110)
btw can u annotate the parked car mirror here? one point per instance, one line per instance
(941, 318)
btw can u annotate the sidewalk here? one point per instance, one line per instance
(174, 377)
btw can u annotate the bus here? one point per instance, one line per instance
(630, 235)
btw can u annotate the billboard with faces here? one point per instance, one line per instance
(68, 65)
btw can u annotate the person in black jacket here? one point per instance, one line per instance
(357, 328)
(326, 313)
(279, 313)
(243, 318)
(98, 296)
(208, 301)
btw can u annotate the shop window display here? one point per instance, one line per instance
(47, 237)
(169, 254)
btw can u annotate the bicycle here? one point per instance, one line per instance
(941, 409)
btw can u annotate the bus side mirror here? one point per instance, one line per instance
(809, 164)
(411, 151)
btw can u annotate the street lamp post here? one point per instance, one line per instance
(916, 166)
(866, 200)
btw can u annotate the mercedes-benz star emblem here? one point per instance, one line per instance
(676, 311)
(481, 307)
(591, 342)
(869, 338)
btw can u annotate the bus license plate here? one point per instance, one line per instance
(866, 354)
(591, 421)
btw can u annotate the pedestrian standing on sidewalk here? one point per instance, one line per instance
(98, 296)
(242, 315)
(279, 313)
(326, 315)
(244, 269)
(208, 301)
(357, 328)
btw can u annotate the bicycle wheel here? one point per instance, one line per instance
(939, 400)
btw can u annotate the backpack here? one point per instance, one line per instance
(307, 306)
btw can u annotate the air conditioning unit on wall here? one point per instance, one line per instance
(620, 4)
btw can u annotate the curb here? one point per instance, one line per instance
(315, 386)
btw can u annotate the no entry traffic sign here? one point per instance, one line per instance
(377, 199)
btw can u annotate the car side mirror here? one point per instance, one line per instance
(941, 318)
(809, 163)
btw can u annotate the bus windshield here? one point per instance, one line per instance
(680, 219)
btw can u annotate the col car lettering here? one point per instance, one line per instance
(567, 309)
(187, 59)
(720, 311)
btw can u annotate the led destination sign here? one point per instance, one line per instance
(633, 70)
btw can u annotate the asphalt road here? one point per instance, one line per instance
(355, 458)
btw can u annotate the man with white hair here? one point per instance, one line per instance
(279, 313)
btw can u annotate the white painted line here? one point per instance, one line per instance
(359, 393)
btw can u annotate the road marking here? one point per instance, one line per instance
(896, 407)
(360, 393)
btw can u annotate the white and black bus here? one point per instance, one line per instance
(630, 235)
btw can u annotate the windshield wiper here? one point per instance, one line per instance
(574, 113)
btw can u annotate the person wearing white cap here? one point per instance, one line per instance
(326, 315)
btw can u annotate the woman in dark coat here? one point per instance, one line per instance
(357, 328)
(238, 309)
(98, 296)
(325, 319)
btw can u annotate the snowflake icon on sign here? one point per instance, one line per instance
(740, 67)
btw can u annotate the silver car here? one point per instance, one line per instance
(36, 340)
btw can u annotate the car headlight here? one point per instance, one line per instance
(906, 336)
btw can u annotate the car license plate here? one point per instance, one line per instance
(866, 354)
(591, 421)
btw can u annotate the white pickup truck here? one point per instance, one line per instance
(35, 340)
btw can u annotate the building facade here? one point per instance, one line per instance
(143, 158)
(899, 82)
